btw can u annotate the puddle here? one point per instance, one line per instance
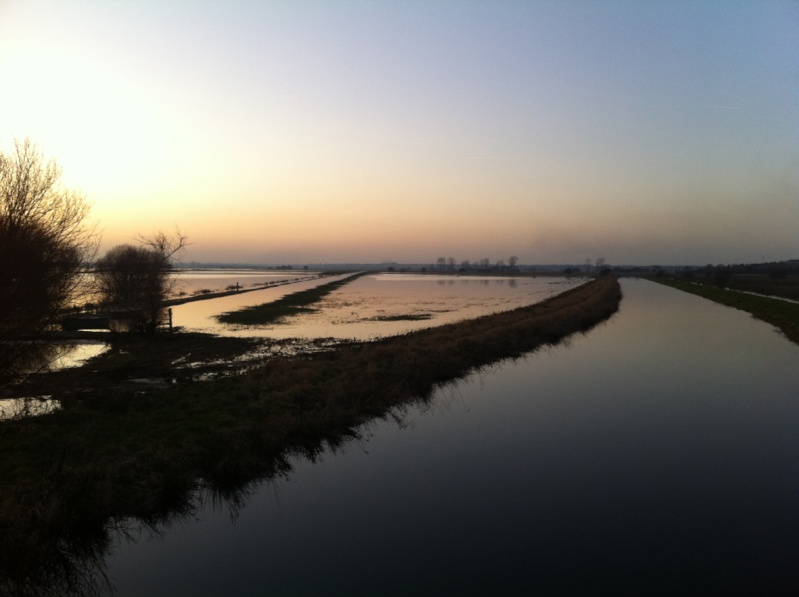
(15, 408)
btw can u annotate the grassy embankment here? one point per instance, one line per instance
(142, 454)
(785, 287)
(782, 314)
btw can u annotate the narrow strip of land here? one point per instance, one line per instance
(180, 300)
(291, 304)
(782, 314)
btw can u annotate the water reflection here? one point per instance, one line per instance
(190, 282)
(379, 305)
(39, 357)
(654, 452)
(14, 408)
(200, 315)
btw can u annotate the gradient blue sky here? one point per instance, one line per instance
(297, 132)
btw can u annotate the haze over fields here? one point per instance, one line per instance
(302, 132)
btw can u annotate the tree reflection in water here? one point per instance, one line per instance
(32, 357)
(67, 557)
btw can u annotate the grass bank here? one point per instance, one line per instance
(787, 287)
(291, 304)
(782, 314)
(107, 457)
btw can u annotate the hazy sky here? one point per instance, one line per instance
(304, 132)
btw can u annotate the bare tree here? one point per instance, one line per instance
(44, 244)
(134, 281)
(512, 261)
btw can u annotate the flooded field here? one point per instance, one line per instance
(54, 356)
(49, 356)
(191, 282)
(378, 305)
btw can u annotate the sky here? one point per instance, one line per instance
(289, 132)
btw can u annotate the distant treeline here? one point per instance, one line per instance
(777, 278)
(772, 269)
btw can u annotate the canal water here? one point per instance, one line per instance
(656, 453)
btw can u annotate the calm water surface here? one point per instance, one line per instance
(658, 453)
(190, 281)
(378, 305)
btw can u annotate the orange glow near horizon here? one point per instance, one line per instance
(373, 143)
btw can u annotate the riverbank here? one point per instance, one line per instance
(130, 453)
(784, 315)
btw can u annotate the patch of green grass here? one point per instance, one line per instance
(784, 315)
(291, 304)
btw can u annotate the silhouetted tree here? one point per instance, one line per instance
(44, 243)
(135, 280)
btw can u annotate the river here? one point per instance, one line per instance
(657, 453)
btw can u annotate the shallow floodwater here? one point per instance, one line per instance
(49, 356)
(378, 305)
(191, 281)
(200, 315)
(657, 453)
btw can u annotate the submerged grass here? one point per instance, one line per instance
(107, 457)
(406, 317)
(782, 314)
(291, 304)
